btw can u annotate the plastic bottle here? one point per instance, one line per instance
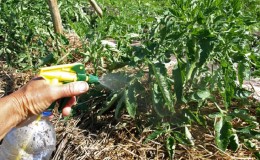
(35, 139)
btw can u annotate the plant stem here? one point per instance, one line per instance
(96, 7)
(55, 14)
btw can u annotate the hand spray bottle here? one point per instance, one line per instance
(35, 139)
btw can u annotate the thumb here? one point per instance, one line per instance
(71, 89)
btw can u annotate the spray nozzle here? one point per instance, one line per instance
(66, 73)
(92, 79)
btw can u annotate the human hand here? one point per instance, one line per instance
(37, 95)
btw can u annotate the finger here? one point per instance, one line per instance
(50, 117)
(70, 102)
(66, 111)
(71, 89)
(37, 77)
(67, 108)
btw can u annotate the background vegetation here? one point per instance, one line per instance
(214, 45)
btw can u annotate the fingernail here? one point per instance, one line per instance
(82, 87)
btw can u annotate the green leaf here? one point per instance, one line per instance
(154, 135)
(258, 111)
(229, 84)
(181, 138)
(158, 102)
(189, 136)
(195, 117)
(257, 154)
(255, 134)
(113, 97)
(64, 39)
(250, 131)
(241, 93)
(161, 85)
(250, 145)
(191, 72)
(256, 73)
(191, 49)
(170, 145)
(47, 59)
(223, 132)
(178, 83)
(130, 101)
(243, 115)
(234, 142)
(119, 106)
(203, 94)
(241, 72)
(206, 46)
(216, 115)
